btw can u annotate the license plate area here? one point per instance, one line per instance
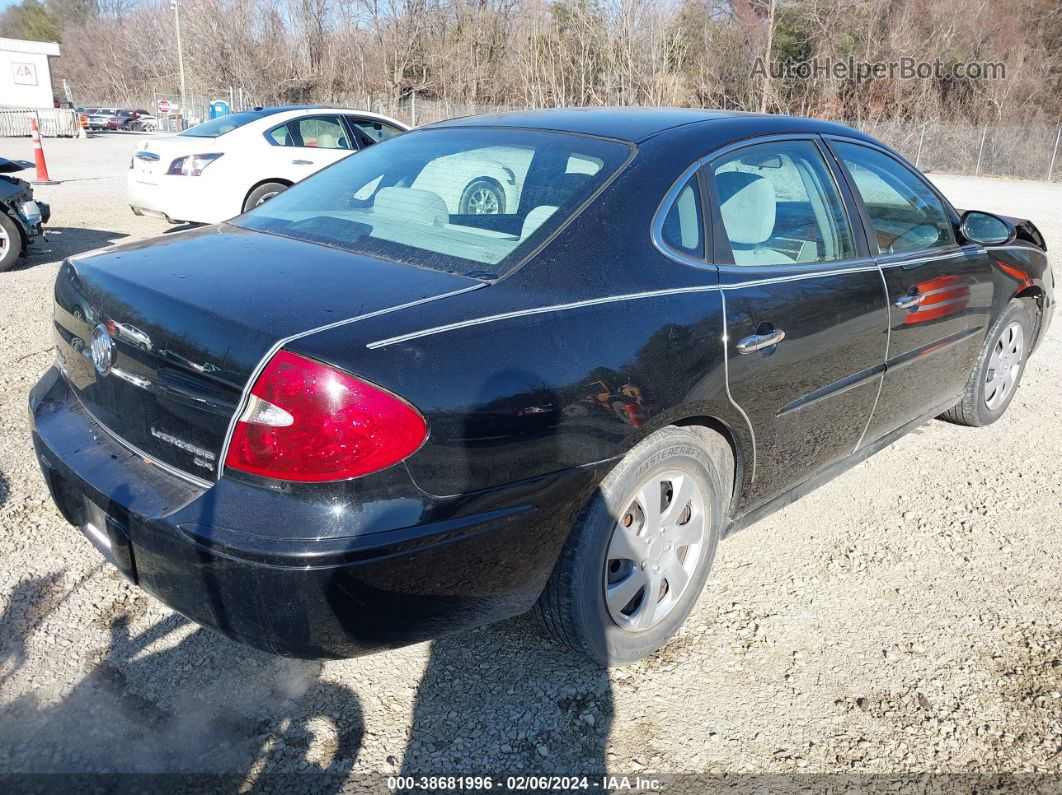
(110, 537)
(144, 171)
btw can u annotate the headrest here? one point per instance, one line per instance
(413, 205)
(747, 204)
(327, 141)
(535, 219)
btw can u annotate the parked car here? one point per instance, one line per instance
(364, 420)
(224, 166)
(22, 218)
(131, 120)
(100, 119)
(142, 121)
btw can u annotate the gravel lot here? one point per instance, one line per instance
(905, 618)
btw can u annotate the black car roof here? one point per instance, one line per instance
(636, 124)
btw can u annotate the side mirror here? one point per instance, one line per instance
(986, 229)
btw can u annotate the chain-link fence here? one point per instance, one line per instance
(1029, 151)
(998, 149)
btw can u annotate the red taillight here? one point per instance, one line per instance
(306, 421)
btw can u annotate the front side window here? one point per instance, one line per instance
(319, 132)
(781, 206)
(905, 213)
(464, 200)
(681, 229)
(374, 131)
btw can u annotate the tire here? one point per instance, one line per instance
(262, 193)
(982, 402)
(10, 242)
(482, 196)
(573, 605)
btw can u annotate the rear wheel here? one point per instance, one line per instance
(262, 193)
(10, 242)
(995, 379)
(637, 558)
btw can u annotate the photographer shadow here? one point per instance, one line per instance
(505, 698)
(176, 699)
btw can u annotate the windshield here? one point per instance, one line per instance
(223, 124)
(470, 201)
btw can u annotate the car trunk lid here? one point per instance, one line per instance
(158, 339)
(152, 158)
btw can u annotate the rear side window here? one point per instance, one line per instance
(682, 226)
(905, 213)
(314, 132)
(781, 206)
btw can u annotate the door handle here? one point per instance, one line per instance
(909, 301)
(302, 162)
(760, 341)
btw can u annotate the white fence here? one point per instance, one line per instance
(53, 122)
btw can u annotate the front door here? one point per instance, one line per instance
(940, 293)
(806, 318)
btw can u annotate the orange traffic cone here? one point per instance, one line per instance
(38, 156)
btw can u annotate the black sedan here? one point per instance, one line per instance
(356, 417)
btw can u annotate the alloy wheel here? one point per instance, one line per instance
(1004, 365)
(655, 550)
(483, 201)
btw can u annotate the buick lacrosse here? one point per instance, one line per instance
(363, 415)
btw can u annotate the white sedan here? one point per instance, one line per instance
(225, 166)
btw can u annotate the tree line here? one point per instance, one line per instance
(519, 53)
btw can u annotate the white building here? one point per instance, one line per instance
(25, 73)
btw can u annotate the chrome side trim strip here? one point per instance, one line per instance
(245, 394)
(538, 310)
(892, 263)
(1029, 247)
(885, 359)
(797, 277)
(730, 397)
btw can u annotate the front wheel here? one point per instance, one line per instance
(10, 242)
(637, 559)
(998, 372)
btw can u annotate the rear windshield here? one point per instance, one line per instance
(471, 201)
(222, 124)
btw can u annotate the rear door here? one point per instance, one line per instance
(306, 144)
(805, 307)
(940, 293)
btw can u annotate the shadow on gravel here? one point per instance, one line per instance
(29, 602)
(4, 489)
(505, 699)
(178, 699)
(65, 241)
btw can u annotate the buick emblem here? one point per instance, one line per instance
(102, 350)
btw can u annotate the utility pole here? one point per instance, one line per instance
(176, 5)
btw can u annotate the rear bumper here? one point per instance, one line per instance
(181, 199)
(468, 561)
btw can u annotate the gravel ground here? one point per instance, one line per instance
(902, 619)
